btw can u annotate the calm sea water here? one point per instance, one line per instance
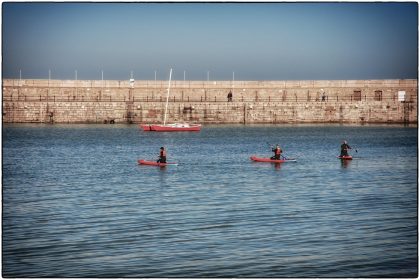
(76, 204)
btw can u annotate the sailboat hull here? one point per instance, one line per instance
(145, 127)
(171, 127)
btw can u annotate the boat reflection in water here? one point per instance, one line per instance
(277, 166)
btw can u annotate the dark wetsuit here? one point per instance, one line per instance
(229, 96)
(277, 153)
(344, 148)
(162, 156)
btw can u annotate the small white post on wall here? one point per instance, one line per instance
(401, 95)
(49, 79)
(75, 77)
(233, 82)
(155, 79)
(132, 80)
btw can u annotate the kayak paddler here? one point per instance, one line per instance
(344, 148)
(277, 152)
(162, 155)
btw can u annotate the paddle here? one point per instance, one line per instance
(355, 149)
(271, 145)
(286, 158)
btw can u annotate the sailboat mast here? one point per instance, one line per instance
(233, 82)
(167, 96)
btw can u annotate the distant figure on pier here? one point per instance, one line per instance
(277, 152)
(344, 148)
(229, 96)
(162, 155)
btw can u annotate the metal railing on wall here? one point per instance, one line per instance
(206, 99)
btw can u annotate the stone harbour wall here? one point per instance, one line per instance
(356, 101)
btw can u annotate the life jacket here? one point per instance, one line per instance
(163, 153)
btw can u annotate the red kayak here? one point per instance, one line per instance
(254, 158)
(154, 163)
(345, 157)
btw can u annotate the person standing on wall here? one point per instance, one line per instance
(229, 96)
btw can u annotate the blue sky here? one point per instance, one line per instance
(257, 41)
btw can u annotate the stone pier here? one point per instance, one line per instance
(345, 101)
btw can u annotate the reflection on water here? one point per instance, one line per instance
(76, 204)
(345, 163)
